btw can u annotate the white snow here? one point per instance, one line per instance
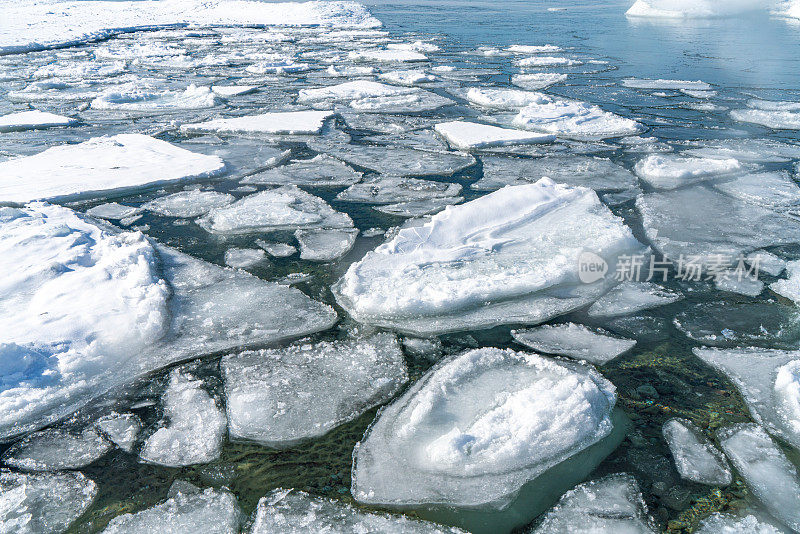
(279, 397)
(325, 245)
(630, 297)
(319, 171)
(57, 449)
(286, 122)
(244, 258)
(771, 477)
(789, 287)
(121, 429)
(210, 511)
(471, 135)
(297, 512)
(669, 171)
(195, 428)
(571, 118)
(696, 458)
(283, 208)
(503, 258)
(101, 164)
(43, 503)
(191, 203)
(639, 83)
(574, 340)
(478, 426)
(33, 120)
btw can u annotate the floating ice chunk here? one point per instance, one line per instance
(574, 340)
(775, 115)
(287, 122)
(418, 46)
(244, 258)
(210, 511)
(502, 258)
(769, 381)
(350, 70)
(284, 208)
(669, 171)
(320, 171)
(113, 211)
(719, 523)
(407, 77)
(296, 512)
(610, 504)
(43, 503)
(472, 135)
(56, 450)
(400, 161)
(135, 97)
(80, 70)
(730, 323)
(418, 208)
(479, 426)
(696, 458)
(233, 90)
(689, 9)
(638, 83)
(747, 150)
(537, 80)
(631, 297)
(279, 397)
(771, 477)
(387, 56)
(191, 203)
(325, 245)
(790, 287)
(575, 119)
(277, 65)
(121, 429)
(349, 91)
(33, 120)
(413, 101)
(769, 189)
(739, 282)
(766, 262)
(277, 250)
(505, 98)
(392, 189)
(534, 49)
(596, 173)
(547, 61)
(88, 310)
(195, 429)
(120, 162)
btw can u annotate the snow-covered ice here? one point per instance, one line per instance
(277, 250)
(191, 203)
(121, 429)
(285, 122)
(691, 9)
(571, 118)
(775, 115)
(41, 503)
(56, 449)
(630, 297)
(233, 90)
(244, 258)
(325, 245)
(279, 397)
(547, 61)
(790, 286)
(349, 91)
(668, 171)
(297, 512)
(766, 262)
(319, 171)
(101, 164)
(769, 189)
(195, 429)
(407, 77)
(537, 80)
(137, 97)
(502, 258)
(394, 189)
(494, 98)
(640, 83)
(739, 282)
(471, 135)
(418, 208)
(33, 120)
(113, 211)
(747, 150)
(719, 523)
(574, 340)
(696, 458)
(387, 56)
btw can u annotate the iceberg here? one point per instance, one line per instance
(101, 164)
(279, 397)
(286, 122)
(472, 135)
(195, 429)
(630, 297)
(574, 340)
(33, 120)
(191, 203)
(669, 171)
(56, 449)
(696, 458)
(502, 258)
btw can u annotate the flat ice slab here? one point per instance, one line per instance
(641, 83)
(279, 397)
(668, 171)
(394, 189)
(571, 118)
(696, 458)
(574, 340)
(56, 450)
(320, 171)
(101, 164)
(191, 203)
(631, 297)
(297, 512)
(747, 523)
(775, 115)
(471, 135)
(33, 120)
(478, 426)
(508, 248)
(325, 245)
(287, 122)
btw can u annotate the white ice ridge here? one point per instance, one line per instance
(688, 9)
(696, 458)
(101, 164)
(508, 257)
(287, 122)
(477, 427)
(297, 512)
(471, 135)
(85, 307)
(35, 24)
(33, 120)
(769, 381)
(574, 340)
(278, 397)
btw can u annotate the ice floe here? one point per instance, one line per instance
(696, 458)
(244, 258)
(746, 150)
(574, 340)
(113, 211)
(689, 9)
(277, 250)
(325, 245)
(297, 512)
(471, 135)
(789, 287)
(537, 80)
(320, 171)
(639, 83)
(775, 115)
(195, 429)
(418, 208)
(769, 189)
(233, 90)
(394, 189)
(669, 171)
(287, 122)
(547, 61)
(766, 262)
(502, 258)
(43, 503)
(407, 77)
(387, 56)
(57, 449)
(719, 523)
(33, 120)
(279, 397)
(505, 98)
(771, 477)
(191, 203)
(630, 297)
(101, 164)
(398, 160)
(137, 97)
(121, 429)
(571, 118)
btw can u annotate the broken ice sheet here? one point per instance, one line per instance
(287, 122)
(741, 522)
(56, 449)
(33, 120)
(191, 203)
(730, 323)
(696, 458)
(574, 340)
(121, 429)
(243, 258)
(537, 80)
(669, 171)
(574, 119)
(276, 250)
(746, 150)
(789, 287)
(630, 297)
(775, 115)
(399, 161)
(393, 189)
(113, 211)
(278, 397)
(320, 171)
(414, 101)
(136, 96)
(325, 245)
(418, 208)
(471, 135)
(774, 190)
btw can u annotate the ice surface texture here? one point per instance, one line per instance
(696, 458)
